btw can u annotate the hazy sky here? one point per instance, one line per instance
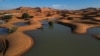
(68, 4)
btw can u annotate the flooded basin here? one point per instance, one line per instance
(21, 24)
(94, 30)
(58, 40)
(4, 31)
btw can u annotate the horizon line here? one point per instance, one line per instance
(49, 7)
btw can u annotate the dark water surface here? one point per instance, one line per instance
(3, 31)
(94, 30)
(58, 40)
(21, 24)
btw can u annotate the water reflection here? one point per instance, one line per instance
(51, 24)
(4, 31)
(72, 27)
(21, 23)
(95, 30)
(60, 41)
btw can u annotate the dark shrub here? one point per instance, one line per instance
(13, 29)
(6, 17)
(25, 16)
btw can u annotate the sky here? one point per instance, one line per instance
(58, 4)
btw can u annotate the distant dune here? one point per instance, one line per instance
(79, 20)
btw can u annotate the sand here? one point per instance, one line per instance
(79, 27)
(21, 43)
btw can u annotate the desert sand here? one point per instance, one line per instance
(79, 20)
(79, 27)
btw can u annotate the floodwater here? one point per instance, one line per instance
(58, 40)
(3, 31)
(21, 24)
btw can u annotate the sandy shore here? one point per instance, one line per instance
(19, 43)
(79, 27)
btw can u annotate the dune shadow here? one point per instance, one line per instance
(4, 45)
(73, 27)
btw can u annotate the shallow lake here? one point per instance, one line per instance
(58, 40)
(21, 24)
(3, 31)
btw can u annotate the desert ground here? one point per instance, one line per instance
(19, 43)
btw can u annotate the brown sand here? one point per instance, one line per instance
(21, 43)
(80, 28)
